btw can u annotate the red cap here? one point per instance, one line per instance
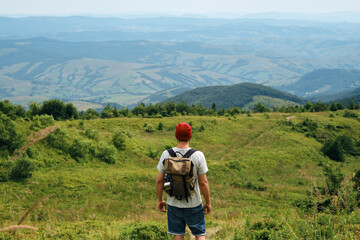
(183, 131)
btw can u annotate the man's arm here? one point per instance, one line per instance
(205, 190)
(159, 191)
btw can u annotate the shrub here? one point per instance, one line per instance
(349, 114)
(10, 138)
(160, 126)
(148, 231)
(92, 133)
(21, 169)
(334, 177)
(5, 165)
(78, 149)
(334, 150)
(119, 139)
(59, 139)
(356, 187)
(149, 129)
(106, 152)
(42, 121)
(153, 153)
(347, 144)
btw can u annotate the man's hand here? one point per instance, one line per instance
(162, 206)
(207, 208)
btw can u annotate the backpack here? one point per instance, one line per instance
(179, 176)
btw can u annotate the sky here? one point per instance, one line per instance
(113, 7)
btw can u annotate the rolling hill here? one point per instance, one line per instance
(238, 95)
(261, 171)
(127, 72)
(325, 81)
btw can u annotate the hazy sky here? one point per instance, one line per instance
(70, 7)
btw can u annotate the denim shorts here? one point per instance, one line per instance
(193, 217)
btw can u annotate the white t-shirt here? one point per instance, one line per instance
(200, 167)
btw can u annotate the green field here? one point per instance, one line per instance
(263, 172)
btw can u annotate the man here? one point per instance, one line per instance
(190, 210)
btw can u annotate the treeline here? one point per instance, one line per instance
(62, 111)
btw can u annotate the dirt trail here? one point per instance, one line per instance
(32, 139)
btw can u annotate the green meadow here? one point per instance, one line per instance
(269, 178)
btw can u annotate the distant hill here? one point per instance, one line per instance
(238, 95)
(351, 96)
(322, 83)
(126, 72)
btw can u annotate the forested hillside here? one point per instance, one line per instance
(238, 95)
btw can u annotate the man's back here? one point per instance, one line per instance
(200, 167)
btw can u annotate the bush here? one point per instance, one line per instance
(149, 129)
(59, 139)
(144, 231)
(153, 153)
(42, 121)
(356, 187)
(10, 138)
(119, 139)
(21, 169)
(106, 152)
(349, 114)
(160, 126)
(5, 165)
(92, 133)
(334, 150)
(78, 149)
(347, 144)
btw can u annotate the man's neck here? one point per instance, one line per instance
(183, 145)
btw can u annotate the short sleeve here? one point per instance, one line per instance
(160, 165)
(202, 168)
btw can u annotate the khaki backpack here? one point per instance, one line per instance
(179, 177)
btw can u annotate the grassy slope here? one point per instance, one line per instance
(93, 199)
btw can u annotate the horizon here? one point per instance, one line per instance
(186, 7)
(337, 16)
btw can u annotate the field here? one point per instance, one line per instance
(266, 172)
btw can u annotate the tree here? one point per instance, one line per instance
(107, 112)
(34, 109)
(260, 108)
(54, 107)
(213, 107)
(308, 106)
(340, 106)
(321, 107)
(11, 110)
(183, 108)
(91, 113)
(333, 107)
(139, 110)
(71, 111)
(351, 105)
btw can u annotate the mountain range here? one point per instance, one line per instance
(127, 61)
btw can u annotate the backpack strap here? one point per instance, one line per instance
(171, 152)
(189, 153)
